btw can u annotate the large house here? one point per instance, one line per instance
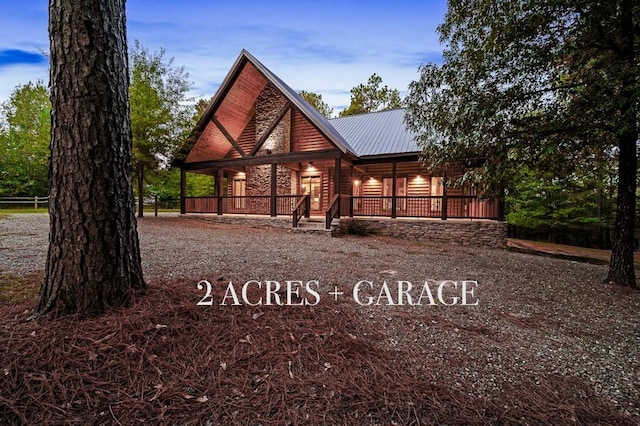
(271, 153)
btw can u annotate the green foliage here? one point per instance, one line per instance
(372, 97)
(200, 108)
(315, 100)
(200, 185)
(166, 185)
(161, 116)
(543, 83)
(25, 127)
(541, 199)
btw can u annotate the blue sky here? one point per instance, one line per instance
(323, 46)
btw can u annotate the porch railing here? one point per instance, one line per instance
(302, 209)
(455, 207)
(258, 204)
(338, 206)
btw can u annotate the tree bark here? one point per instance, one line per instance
(621, 267)
(93, 261)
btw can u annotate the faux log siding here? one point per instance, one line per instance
(305, 136)
(372, 187)
(237, 108)
(326, 188)
(346, 181)
(402, 168)
(212, 145)
(247, 140)
(418, 186)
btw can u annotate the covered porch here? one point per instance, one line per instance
(333, 188)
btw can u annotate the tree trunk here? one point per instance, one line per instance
(621, 267)
(93, 261)
(140, 179)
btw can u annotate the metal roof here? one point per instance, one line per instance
(371, 134)
(376, 133)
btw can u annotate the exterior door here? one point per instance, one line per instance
(312, 185)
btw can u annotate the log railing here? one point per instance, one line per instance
(302, 209)
(333, 211)
(451, 206)
(257, 204)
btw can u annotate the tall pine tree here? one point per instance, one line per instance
(538, 83)
(93, 261)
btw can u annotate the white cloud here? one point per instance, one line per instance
(16, 75)
(326, 47)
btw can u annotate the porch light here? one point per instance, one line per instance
(310, 166)
(356, 182)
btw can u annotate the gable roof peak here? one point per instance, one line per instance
(317, 119)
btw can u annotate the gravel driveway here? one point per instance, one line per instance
(535, 315)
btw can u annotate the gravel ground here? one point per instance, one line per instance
(535, 315)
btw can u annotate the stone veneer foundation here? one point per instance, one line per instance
(487, 233)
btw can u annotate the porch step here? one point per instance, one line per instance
(314, 226)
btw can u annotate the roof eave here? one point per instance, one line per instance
(378, 158)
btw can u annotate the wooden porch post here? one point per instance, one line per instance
(336, 181)
(183, 190)
(219, 190)
(501, 209)
(274, 189)
(444, 197)
(394, 201)
(351, 194)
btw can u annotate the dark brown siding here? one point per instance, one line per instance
(247, 140)
(306, 137)
(418, 185)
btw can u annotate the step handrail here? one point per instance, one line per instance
(333, 211)
(303, 208)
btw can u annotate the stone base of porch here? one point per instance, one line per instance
(488, 233)
(245, 220)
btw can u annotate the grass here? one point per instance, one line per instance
(5, 212)
(18, 288)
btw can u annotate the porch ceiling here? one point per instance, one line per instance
(233, 113)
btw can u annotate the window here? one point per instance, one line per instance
(401, 191)
(437, 190)
(357, 193)
(239, 193)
